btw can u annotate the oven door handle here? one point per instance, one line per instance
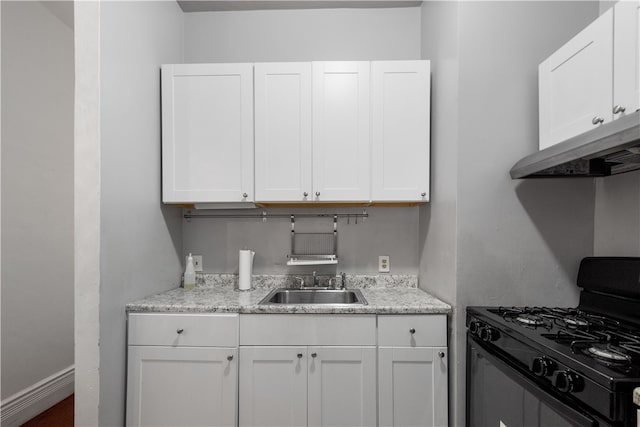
(575, 416)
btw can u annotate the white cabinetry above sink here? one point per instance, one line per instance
(344, 132)
(207, 133)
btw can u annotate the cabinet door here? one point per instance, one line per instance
(181, 386)
(207, 133)
(626, 48)
(400, 130)
(342, 386)
(575, 84)
(283, 131)
(273, 386)
(341, 131)
(412, 386)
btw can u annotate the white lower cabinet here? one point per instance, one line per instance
(342, 386)
(189, 386)
(308, 386)
(412, 370)
(182, 370)
(412, 385)
(273, 386)
(287, 370)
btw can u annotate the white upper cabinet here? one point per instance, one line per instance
(337, 132)
(207, 133)
(400, 130)
(594, 78)
(341, 158)
(626, 66)
(575, 84)
(283, 131)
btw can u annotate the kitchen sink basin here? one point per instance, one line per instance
(315, 296)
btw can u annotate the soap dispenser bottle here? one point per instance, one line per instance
(189, 278)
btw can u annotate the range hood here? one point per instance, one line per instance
(609, 149)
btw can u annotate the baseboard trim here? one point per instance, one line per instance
(33, 400)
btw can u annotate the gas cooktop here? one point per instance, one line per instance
(599, 346)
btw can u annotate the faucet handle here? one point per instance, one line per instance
(343, 280)
(300, 281)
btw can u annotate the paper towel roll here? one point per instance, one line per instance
(245, 269)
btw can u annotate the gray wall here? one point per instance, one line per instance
(302, 35)
(438, 223)
(305, 35)
(617, 215)
(140, 238)
(387, 231)
(37, 195)
(517, 242)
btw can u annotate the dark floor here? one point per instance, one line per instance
(59, 415)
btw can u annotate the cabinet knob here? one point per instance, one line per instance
(314, 355)
(619, 109)
(230, 357)
(597, 120)
(299, 355)
(245, 195)
(305, 194)
(179, 331)
(423, 194)
(412, 331)
(441, 354)
(317, 194)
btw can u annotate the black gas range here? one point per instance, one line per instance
(550, 366)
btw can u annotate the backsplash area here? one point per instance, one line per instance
(387, 231)
(272, 281)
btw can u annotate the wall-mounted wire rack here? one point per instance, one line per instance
(313, 248)
(306, 248)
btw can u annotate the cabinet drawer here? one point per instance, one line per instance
(307, 329)
(187, 330)
(428, 330)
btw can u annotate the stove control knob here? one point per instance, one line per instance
(474, 326)
(488, 334)
(568, 382)
(542, 367)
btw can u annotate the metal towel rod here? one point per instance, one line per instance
(264, 215)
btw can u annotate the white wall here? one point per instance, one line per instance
(387, 231)
(517, 242)
(140, 238)
(87, 213)
(302, 35)
(305, 35)
(617, 215)
(438, 222)
(37, 195)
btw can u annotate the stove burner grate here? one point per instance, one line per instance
(530, 319)
(608, 353)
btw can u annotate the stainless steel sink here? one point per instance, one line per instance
(314, 296)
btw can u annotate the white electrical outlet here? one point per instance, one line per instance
(383, 264)
(197, 262)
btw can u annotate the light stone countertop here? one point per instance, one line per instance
(636, 396)
(217, 294)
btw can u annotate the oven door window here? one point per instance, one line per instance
(498, 395)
